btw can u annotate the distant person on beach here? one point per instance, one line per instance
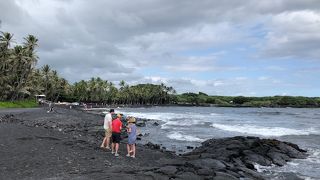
(116, 132)
(107, 125)
(132, 137)
(50, 107)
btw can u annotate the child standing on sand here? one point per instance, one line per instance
(132, 137)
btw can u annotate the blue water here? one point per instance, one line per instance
(189, 126)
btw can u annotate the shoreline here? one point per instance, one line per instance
(67, 141)
(190, 105)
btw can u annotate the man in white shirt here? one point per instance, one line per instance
(107, 125)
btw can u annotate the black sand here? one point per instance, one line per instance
(65, 144)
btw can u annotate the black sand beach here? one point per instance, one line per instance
(65, 144)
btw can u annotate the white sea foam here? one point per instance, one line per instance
(166, 116)
(182, 123)
(181, 137)
(261, 168)
(314, 156)
(215, 114)
(264, 131)
(304, 168)
(154, 116)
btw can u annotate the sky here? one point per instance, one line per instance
(225, 47)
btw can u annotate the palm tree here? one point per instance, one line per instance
(5, 40)
(45, 71)
(5, 65)
(31, 42)
(18, 71)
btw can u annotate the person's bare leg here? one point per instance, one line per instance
(117, 148)
(128, 149)
(133, 150)
(103, 142)
(108, 142)
(113, 147)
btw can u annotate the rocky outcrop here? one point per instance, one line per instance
(230, 158)
(237, 156)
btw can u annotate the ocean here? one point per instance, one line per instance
(183, 127)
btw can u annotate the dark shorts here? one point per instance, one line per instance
(116, 137)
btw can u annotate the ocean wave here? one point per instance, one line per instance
(273, 113)
(215, 114)
(181, 137)
(264, 131)
(166, 116)
(154, 116)
(314, 156)
(304, 168)
(183, 123)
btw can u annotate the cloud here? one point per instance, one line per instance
(275, 68)
(294, 35)
(209, 43)
(11, 13)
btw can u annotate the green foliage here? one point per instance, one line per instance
(98, 90)
(19, 104)
(222, 102)
(258, 104)
(203, 94)
(19, 79)
(240, 99)
(286, 100)
(211, 100)
(16, 67)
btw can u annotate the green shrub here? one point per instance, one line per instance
(258, 103)
(221, 102)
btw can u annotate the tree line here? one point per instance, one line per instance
(242, 101)
(20, 79)
(103, 91)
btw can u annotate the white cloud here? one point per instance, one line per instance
(262, 78)
(275, 68)
(122, 39)
(293, 34)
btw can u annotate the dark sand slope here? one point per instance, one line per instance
(64, 145)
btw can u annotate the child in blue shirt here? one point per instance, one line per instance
(132, 137)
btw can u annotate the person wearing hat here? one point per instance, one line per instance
(116, 132)
(107, 125)
(132, 137)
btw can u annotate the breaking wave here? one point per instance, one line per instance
(264, 131)
(181, 137)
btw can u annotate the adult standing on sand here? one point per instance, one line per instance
(116, 132)
(107, 125)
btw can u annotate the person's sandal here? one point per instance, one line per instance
(128, 155)
(116, 154)
(133, 156)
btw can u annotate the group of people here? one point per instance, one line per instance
(113, 126)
